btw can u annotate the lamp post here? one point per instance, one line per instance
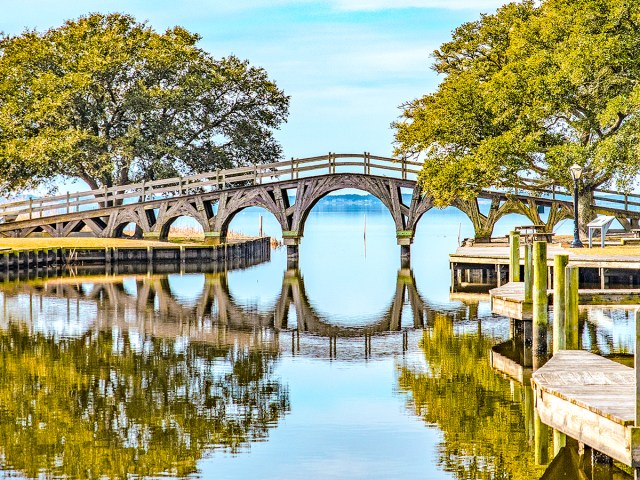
(576, 173)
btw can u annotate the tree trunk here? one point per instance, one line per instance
(586, 211)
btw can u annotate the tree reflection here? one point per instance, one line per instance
(111, 405)
(482, 415)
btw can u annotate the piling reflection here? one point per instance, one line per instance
(486, 419)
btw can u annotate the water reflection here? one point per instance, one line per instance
(147, 374)
(486, 419)
(196, 307)
(114, 402)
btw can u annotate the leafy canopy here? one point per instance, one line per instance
(527, 92)
(108, 100)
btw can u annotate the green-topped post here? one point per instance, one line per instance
(528, 273)
(540, 303)
(514, 256)
(572, 340)
(560, 263)
(540, 298)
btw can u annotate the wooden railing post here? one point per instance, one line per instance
(68, 201)
(180, 191)
(30, 208)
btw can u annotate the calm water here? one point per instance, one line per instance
(348, 367)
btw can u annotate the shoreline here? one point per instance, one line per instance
(125, 252)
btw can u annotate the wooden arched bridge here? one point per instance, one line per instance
(289, 190)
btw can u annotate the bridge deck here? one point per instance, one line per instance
(589, 398)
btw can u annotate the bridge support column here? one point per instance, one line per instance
(214, 238)
(292, 240)
(405, 239)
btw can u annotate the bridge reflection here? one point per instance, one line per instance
(153, 305)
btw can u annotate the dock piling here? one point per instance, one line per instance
(560, 263)
(540, 298)
(540, 303)
(572, 340)
(528, 272)
(514, 257)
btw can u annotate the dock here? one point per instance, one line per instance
(479, 268)
(591, 399)
(508, 299)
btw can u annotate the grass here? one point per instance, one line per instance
(181, 235)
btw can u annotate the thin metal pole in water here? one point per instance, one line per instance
(365, 226)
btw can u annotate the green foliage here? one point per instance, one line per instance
(94, 407)
(109, 100)
(482, 419)
(528, 91)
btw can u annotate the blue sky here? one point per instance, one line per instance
(347, 64)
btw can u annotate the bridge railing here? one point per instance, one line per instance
(207, 182)
(291, 169)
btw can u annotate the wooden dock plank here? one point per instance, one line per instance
(589, 398)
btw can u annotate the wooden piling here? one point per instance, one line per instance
(560, 263)
(514, 257)
(572, 340)
(635, 432)
(528, 272)
(541, 441)
(540, 298)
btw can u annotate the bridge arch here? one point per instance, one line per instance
(167, 214)
(275, 201)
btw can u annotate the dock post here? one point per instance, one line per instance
(540, 440)
(635, 432)
(540, 304)
(560, 263)
(514, 257)
(528, 272)
(540, 297)
(572, 339)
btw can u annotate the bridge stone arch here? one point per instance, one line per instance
(505, 204)
(274, 200)
(118, 221)
(168, 213)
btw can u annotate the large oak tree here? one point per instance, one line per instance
(527, 92)
(108, 100)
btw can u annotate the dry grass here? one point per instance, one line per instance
(181, 235)
(74, 242)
